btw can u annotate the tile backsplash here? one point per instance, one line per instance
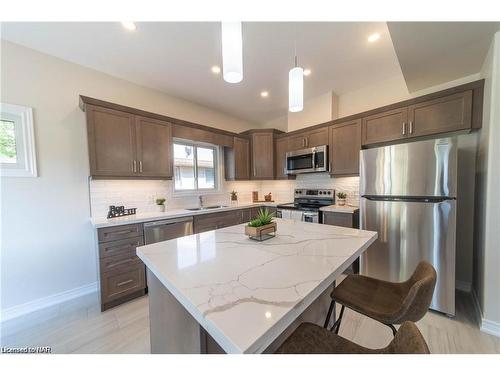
(142, 193)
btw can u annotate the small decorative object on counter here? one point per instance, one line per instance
(341, 197)
(268, 197)
(262, 227)
(255, 196)
(117, 211)
(234, 198)
(160, 204)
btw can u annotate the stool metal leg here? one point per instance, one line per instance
(336, 325)
(331, 310)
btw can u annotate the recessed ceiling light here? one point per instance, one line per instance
(264, 94)
(216, 69)
(129, 25)
(307, 72)
(374, 37)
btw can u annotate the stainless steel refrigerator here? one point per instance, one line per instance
(408, 195)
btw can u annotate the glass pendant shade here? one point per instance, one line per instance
(296, 89)
(232, 52)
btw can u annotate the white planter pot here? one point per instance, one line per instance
(160, 207)
(340, 202)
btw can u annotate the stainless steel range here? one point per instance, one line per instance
(306, 205)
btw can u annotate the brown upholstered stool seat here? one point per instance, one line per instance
(309, 338)
(380, 300)
(389, 303)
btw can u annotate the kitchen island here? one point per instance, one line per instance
(219, 291)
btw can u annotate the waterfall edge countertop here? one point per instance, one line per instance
(245, 293)
(170, 214)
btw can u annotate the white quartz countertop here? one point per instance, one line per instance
(343, 209)
(170, 214)
(245, 293)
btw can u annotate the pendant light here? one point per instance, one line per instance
(232, 52)
(296, 87)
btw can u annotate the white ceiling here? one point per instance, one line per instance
(431, 53)
(176, 58)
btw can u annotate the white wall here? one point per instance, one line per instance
(316, 110)
(47, 243)
(487, 218)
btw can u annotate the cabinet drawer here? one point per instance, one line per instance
(121, 247)
(119, 283)
(119, 233)
(120, 261)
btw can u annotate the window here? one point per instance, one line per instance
(195, 166)
(17, 143)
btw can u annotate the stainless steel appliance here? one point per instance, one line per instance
(306, 205)
(163, 230)
(308, 160)
(408, 195)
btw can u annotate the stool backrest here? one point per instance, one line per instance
(420, 291)
(408, 340)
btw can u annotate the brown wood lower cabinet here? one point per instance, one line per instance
(122, 273)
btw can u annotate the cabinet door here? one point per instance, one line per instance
(385, 126)
(451, 113)
(263, 155)
(111, 140)
(344, 146)
(154, 147)
(297, 142)
(241, 158)
(280, 157)
(317, 137)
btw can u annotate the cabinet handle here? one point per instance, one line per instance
(411, 127)
(125, 282)
(404, 128)
(330, 166)
(254, 173)
(121, 232)
(140, 166)
(135, 166)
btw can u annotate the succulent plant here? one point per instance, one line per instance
(341, 195)
(264, 217)
(160, 201)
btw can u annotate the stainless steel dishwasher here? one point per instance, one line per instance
(163, 230)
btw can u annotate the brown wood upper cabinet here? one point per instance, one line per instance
(344, 147)
(444, 114)
(280, 150)
(384, 126)
(447, 114)
(125, 145)
(262, 144)
(237, 160)
(311, 138)
(154, 147)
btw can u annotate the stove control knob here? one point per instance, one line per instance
(329, 193)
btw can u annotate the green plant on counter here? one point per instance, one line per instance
(160, 201)
(234, 195)
(341, 195)
(264, 217)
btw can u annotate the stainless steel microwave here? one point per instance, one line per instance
(307, 160)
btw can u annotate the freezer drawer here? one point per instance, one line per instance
(408, 232)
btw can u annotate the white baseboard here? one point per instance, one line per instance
(487, 326)
(464, 286)
(490, 327)
(46, 302)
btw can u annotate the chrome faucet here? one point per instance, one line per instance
(200, 200)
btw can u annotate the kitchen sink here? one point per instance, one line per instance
(205, 208)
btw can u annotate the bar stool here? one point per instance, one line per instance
(309, 338)
(387, 302)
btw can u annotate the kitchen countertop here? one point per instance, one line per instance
(170, 214)
(343, 209)
(245, 293)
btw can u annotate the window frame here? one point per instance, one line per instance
(217, 167)
(25, 138)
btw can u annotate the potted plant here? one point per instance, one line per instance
(160, 204)
(341, 197)
(262, 226)
(234, 197)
